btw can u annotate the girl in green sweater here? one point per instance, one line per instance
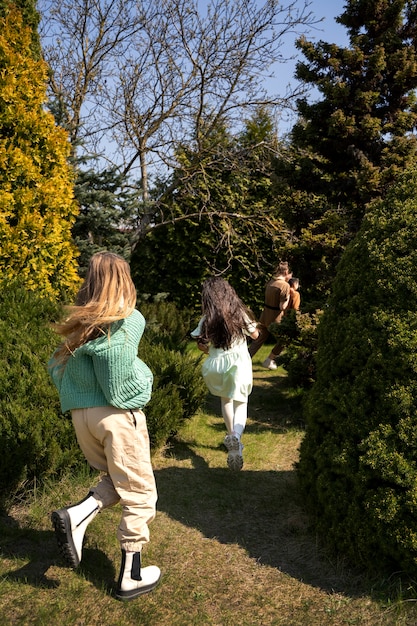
(105, 385)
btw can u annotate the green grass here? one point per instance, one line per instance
(234, 549)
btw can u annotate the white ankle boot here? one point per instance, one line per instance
(70, 525)
(135, 580)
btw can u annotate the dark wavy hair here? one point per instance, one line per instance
(225, 315)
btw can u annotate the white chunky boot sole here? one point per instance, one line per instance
(61, 522)
(150, 578)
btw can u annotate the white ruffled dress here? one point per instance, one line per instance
(228, 373)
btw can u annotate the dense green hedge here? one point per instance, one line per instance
(36, 440)
(358, 460)
(297, 333)
(179, 389)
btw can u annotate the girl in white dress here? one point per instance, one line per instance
(227, 371)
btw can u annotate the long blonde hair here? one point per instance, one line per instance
(106, 295)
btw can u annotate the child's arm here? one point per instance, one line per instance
(201, 343)
(251, 329)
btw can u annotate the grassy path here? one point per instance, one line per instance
(235, 549)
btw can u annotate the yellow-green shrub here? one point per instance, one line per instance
(37, 207)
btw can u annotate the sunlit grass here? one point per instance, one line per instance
(235, 549)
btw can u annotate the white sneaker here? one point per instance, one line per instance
(235, 458)
(231, 442)
(269, 364)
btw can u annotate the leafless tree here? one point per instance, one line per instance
(134, 80)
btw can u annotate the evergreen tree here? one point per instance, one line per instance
(350, 145)
(317, 232)
(30, 18)
(357, 467)
(36, 441)
(37, 207)
(108, 214)
(221, 220)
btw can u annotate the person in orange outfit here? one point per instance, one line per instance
(277, 297)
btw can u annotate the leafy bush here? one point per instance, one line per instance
(35, 439)
(165, 324)
(358, 460)
(298, 335)
(179, 389)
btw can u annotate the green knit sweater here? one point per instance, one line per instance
(106, 371)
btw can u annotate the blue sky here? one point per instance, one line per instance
(329, 9)
(328, 30)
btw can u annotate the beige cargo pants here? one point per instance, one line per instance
(116, 442)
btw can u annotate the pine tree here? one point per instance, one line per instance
(362, 130)
(37, 207)
(108, 213)
(217, 217)
(351, 143)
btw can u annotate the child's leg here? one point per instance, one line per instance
(240, 417)
(235, 425)
(228, 413)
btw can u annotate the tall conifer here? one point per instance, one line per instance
(30, 18)
(357, 467)
(362, 129)
(37, 208)
(358, 134)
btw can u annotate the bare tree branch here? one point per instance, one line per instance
(140, 76)
(138, 80)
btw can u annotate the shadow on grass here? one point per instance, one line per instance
(39, 550)
(274, 401)
(99, 570)
(26, 545)
(258, 510)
